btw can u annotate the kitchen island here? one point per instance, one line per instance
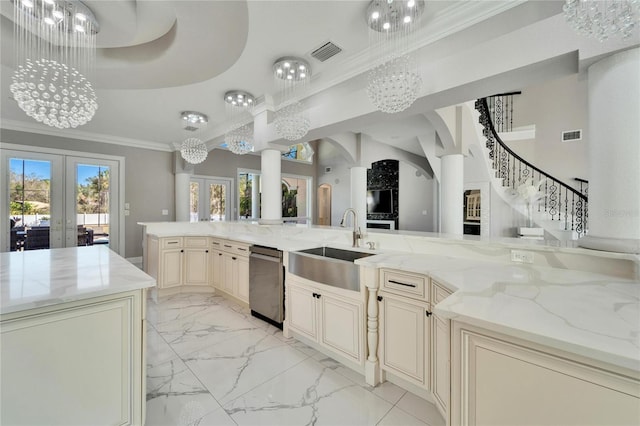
(72, 337)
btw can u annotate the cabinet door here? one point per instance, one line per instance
(441, 365)
(196, 267)
(171, 268)
(242, 266)
(340, 329)
(404, 336)
(302, 311)
(228, 268)
(217, 268)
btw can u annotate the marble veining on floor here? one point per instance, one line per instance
(209, 362)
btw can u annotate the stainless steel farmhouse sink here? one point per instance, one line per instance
(327, 265)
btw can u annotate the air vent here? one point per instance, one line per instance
(191, 128)
(572, 135)
(327, 169)
(326, 51)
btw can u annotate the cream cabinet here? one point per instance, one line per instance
(415, 343)
(405, 338)
(179, 264)
(333, 319)
(196, 261)
(441, 350)
(230, 268)
(504, 380)
(76, 363)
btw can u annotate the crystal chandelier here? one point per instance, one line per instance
(602, 19)
(193, 150)
(394, 84)
(55, 42)
(293, 74)
(239, 137)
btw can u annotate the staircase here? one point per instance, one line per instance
(561, 209)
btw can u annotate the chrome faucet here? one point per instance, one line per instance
(357, 234)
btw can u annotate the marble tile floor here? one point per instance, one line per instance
(209, 362)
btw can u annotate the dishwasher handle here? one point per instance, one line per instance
(263, 257)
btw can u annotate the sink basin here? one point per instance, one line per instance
(329, 266)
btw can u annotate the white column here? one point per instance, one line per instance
(182, 196)
(614, 154)
(452, 194)
(271, 210)
(359, 194)
(255, 197)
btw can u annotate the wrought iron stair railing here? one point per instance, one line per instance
(558, 202)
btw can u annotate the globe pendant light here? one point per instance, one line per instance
(293, 75)
(239, 137)
(394, 84)
(193, 150)
(55, 43)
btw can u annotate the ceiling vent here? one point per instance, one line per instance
(572, 135)
(326, 51)
(327, 169)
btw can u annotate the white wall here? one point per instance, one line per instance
(416, 208)
(553, 107)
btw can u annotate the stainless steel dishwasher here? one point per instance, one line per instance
(266, 284)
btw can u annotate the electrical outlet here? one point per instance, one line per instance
(522, 256)
(165, 212)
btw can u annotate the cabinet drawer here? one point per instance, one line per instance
(196, 242)
(439, 292)
(242, 250)
(411, 285)
(171, 242)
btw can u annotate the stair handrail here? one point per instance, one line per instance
(579, 208)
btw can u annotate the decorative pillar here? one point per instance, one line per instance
(452, 194)
(369, 279)
(614, 154)
(255, 197)
(271, 209)
(359, 194)
(182, 181)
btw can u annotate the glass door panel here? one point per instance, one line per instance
(92, 203)
(218, 202)
(32, 201)
(209, 199)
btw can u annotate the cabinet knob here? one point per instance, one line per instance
(379, 298)
(428, 313)
(206, 251)
(318, 296)
(181, 251)
(233, 258)
(219, 254)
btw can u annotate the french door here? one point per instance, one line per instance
(56, 200)
(210, 199)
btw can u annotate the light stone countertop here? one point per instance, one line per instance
(589, 314)
(38, 278)
(592, 314)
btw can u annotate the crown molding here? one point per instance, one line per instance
(86, 136)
